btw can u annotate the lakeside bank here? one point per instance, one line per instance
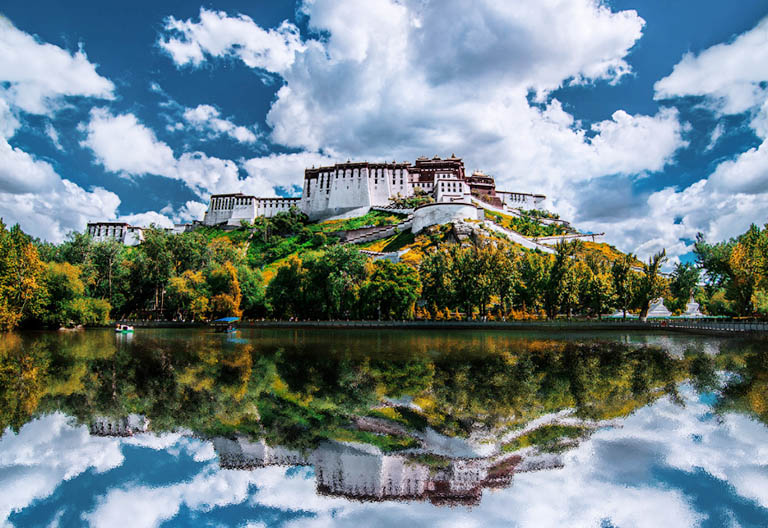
(703, 327)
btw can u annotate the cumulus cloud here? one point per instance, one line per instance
(397, 84)
(37, 76)
(281, 170)
(218, 35)
(190, 211)
(731, 78)
(206, 118)
(122, 144)
(33, 194)
(147, 219)
(730, 75)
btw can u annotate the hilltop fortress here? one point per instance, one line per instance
(351, 189)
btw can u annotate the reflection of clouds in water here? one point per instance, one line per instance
(641, 474)
(46, 452)
(674, 344)
(149, 506)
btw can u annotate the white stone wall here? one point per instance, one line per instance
(451, 190)
(443, 213)
(520, 200)
(123, 233)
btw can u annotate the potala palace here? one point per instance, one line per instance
(351, 189)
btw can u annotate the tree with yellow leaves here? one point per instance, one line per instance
(225, 291)
(21, 271)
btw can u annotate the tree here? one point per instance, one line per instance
(685, 278)
(224, 288)
(285, 290)
(561, 287)
(66, 303)
(534, 270)
(436, 284)
(183, 291)
(624, 285)
(652, 285)
(738, 266)
(390, 291)
(252, 288)
(106, 259)
(21, 273)
(599, 294)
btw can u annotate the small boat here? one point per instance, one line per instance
(123, 329)
(225, 324)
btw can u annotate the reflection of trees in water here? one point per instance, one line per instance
(296, 393)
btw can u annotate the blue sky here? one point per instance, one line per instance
(645, 120)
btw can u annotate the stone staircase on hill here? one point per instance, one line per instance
(371, 234)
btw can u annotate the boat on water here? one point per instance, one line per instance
(225, 324)
(123, 329)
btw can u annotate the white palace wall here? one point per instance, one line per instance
(351, 189)
(444, 213)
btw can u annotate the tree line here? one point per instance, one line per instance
(200, 275)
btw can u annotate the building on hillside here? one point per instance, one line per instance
(352, 188)
(119, 231)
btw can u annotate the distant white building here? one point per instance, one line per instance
(119, 231)
(352, 188)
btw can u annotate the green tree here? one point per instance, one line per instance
(624, 283)
(285, 292)
(683, 284)
(390, 291)
(652, 284)
(437, 288)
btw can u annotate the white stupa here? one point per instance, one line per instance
(658, 309)
(692, 309)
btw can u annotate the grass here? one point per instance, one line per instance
(372, 218)
(526, 225)
(385, 442)
(401, 415)
(547, 437)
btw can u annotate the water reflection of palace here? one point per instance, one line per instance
(357, 473)
(124, 426)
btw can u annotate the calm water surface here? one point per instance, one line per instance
(382, 428)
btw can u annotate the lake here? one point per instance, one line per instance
(293, 427)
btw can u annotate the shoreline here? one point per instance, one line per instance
(731, 328)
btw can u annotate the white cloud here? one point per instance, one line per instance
(206, 118)
(51, 132)
(122, 144)
(148, 507)
(730, 75)
(281, 170)
(731, 78)
(9, 124)
(397, 84)
(190, 211)
(47, 206)
(38, 76)
(217, 35)
(147, 219)
(21, 173)
(715, 136)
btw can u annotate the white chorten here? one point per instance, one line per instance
(658, 309)
(692, 309)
